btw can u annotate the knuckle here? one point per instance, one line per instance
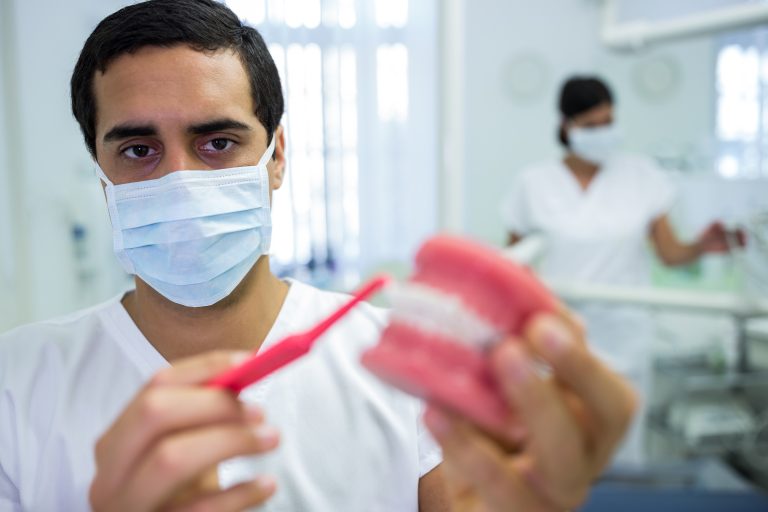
(159, 379)
(579, 327)
(205, 506)
(151, 408)
(167, 459)
(217, 360)
(251, 442)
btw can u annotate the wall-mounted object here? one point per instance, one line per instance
(656, 77)
(524, 76)
(627, 35)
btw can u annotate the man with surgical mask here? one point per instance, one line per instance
(107, 409)
(598, 207)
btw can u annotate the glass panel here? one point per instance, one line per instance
(391, 13)
(347, 13)
(312, 13)
(392, 82)
(294, 12)
(276, 11)
(349, 117)
(250, 11)
(738, 82)
(728, 167)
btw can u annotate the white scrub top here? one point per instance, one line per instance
(595, 236)
(598, 236)
(349, 442)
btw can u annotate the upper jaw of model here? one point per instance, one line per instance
(438, 312)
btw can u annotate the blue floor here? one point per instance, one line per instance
(615, 498)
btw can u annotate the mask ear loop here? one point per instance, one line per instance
(117, 233)
(268, 153)
(266, 231)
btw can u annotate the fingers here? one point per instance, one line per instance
(608, 399)
(557, 444)
(478, 462)
(169, 404)
(188, 454)
(198, 369)
(157, 411)
(234, 499)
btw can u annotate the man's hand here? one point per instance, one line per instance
(162, 451)
(567, 426)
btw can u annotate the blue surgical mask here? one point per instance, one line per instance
(192, 235)
(596, 145)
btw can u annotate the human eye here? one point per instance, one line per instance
(218, 145)
(138, 151)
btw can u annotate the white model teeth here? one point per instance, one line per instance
(441, 313)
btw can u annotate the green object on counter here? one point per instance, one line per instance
(714, 274)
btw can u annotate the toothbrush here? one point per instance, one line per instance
(290, 348)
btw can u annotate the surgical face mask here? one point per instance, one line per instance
(192, 235)
(596, 145)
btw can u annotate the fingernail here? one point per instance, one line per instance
(265, 483)
(237, 358)
(266, 434)
(437, 422)
(253, 412)
(557, 338)
(517, 365)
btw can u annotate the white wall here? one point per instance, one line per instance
(560, 37)
(8, 306)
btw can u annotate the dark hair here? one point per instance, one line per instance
(204, 25)
(579, 94)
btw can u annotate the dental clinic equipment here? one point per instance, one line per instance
(290, 348)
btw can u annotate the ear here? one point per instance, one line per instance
(276, 165)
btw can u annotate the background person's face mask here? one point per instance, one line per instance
(193, 235)
(596, 145)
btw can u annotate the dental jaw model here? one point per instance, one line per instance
(461, 301)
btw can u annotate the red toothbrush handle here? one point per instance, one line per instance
(291, 348)
(360, 295)
(275, 357)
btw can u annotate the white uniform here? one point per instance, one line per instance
(598, 236)
(349, 442)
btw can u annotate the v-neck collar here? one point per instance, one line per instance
(582, 192)
(147, 358)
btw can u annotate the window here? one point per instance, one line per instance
(360, 189)
(742, 105)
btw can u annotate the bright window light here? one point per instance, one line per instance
(742, 105)
(252, 12)
(728, 167)
(345, 80)
(392, 82)
(391, 13)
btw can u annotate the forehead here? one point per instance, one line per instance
(601, 112)
(155, 84)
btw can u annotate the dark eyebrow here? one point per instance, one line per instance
(124, 131)
(217, 125)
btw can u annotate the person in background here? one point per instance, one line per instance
(598, 208)
(107, 409)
